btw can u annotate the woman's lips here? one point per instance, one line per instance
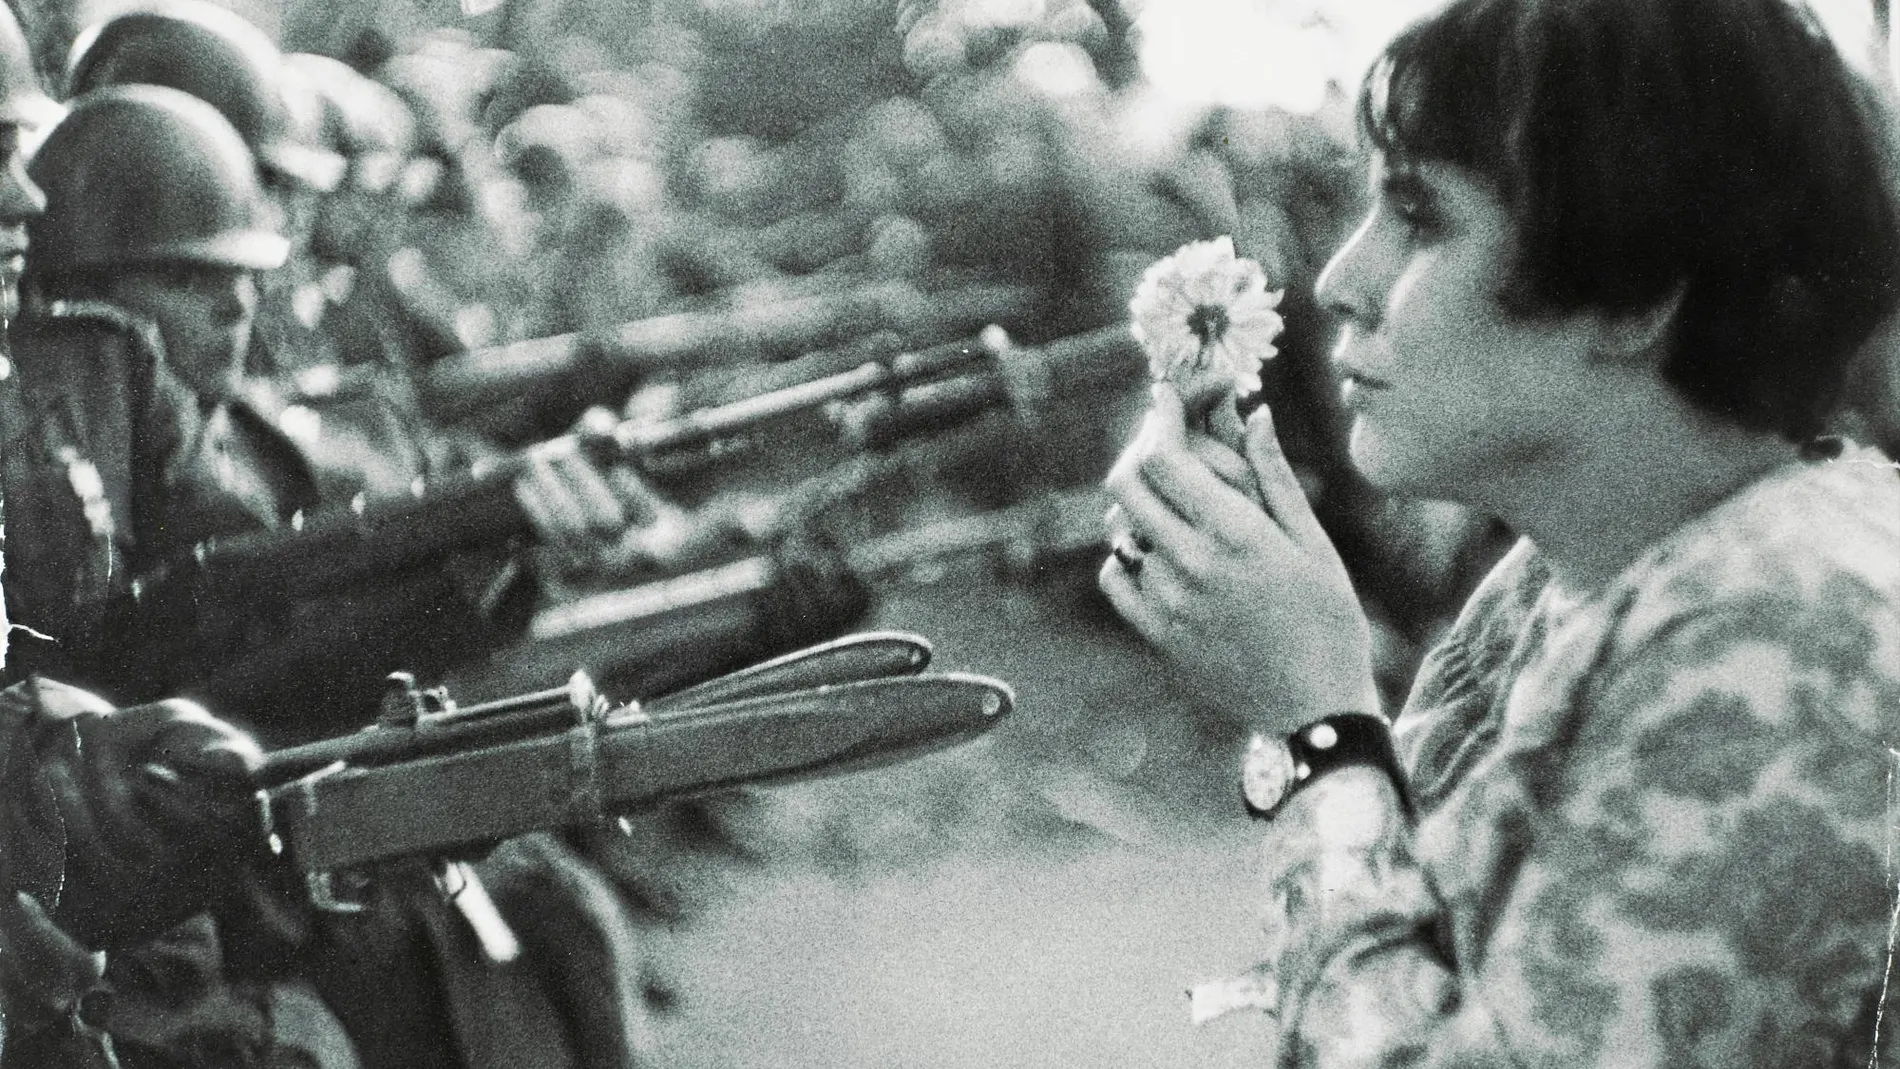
(1356, 390)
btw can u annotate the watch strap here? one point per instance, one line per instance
(1277, 769)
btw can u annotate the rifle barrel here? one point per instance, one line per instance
(1025, 379)
(908, 394)
(1058, 524)
(459, 385)
(706, 424)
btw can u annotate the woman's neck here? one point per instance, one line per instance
(1644, 470)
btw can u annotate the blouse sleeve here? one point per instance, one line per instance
(1701, 878)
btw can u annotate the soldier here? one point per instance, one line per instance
(365, 419)
(363, 222)
(454, 268)
(217, 466)
(113, 825)
(135, 443)
(217, 56)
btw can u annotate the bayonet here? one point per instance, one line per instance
(867, 655)
(444, 780)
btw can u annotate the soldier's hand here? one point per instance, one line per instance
(129, 821)
(572, 502)
(818, 595)
(43, 970)
(578, 498)
(599, 517)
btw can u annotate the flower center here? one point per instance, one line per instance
(1208, 322)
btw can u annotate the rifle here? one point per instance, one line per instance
(430, 779)
(459, 385)
(908, 394)
(646, 637)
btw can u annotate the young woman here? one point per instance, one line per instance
(1637, 810)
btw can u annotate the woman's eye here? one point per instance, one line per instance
(1416, 214)
(1404, 196)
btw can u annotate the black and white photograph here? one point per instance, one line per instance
(949, 534)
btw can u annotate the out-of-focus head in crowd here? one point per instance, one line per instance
(375, 132)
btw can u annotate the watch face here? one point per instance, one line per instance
(1266, 773)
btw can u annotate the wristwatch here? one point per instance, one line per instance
(1274, 770)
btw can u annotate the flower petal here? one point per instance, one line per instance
(1173, 298)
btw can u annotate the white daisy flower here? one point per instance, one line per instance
(1206, 319)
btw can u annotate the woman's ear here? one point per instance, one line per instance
(1643, 333)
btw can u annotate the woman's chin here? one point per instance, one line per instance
(1379, 461)
(1397, 466)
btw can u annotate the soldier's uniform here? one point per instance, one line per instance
(113, 464)
(113, 467)
(104, 439)
(70, 445)
(110, 463)
(119, 875)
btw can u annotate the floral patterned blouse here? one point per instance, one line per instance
(1657, 827)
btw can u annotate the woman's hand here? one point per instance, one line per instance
(1252, 604)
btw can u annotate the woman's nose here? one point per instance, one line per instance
(20, 199)
(1351, 286)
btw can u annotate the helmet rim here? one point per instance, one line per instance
(252, 250)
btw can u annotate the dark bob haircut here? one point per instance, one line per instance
(1720, 146)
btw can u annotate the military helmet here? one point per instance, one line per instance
(214, 55)
(373, 127)
(23, 101)
(140, 175)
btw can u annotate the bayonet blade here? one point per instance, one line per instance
(447, 802)
(820, 732)
(869, 655)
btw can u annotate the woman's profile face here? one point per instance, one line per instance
(1447, 390)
